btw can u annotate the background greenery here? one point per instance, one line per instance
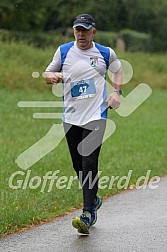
(149, 17)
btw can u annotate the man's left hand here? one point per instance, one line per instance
(113, 100)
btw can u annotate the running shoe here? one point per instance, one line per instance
(97, 204)
(82, 223)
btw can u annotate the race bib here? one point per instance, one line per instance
(83, 89)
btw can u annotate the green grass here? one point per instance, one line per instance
(139, 142)
(18, 61)
(147, 68)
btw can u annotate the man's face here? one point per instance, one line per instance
(84, 37)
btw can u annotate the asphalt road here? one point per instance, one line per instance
(135, 220)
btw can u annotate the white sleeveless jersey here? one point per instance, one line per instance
(84, 80)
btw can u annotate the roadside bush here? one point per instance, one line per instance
(37, 39)
(135, 41)
(106, 38)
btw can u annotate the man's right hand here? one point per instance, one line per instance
(53, 77)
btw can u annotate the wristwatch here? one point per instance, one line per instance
(118, 91)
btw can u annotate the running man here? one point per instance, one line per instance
(82, 65)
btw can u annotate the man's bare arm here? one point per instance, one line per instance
(114, 98)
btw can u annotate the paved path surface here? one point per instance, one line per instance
(135, 220)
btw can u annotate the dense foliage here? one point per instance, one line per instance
(144, 16)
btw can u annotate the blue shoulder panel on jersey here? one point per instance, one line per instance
(105, 52)
(64, 50)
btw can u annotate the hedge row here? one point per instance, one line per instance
(36, 39)
(136, 41)
(133, 41)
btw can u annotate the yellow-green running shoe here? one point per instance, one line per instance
(82, 223)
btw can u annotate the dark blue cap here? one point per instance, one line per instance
(84, 20)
